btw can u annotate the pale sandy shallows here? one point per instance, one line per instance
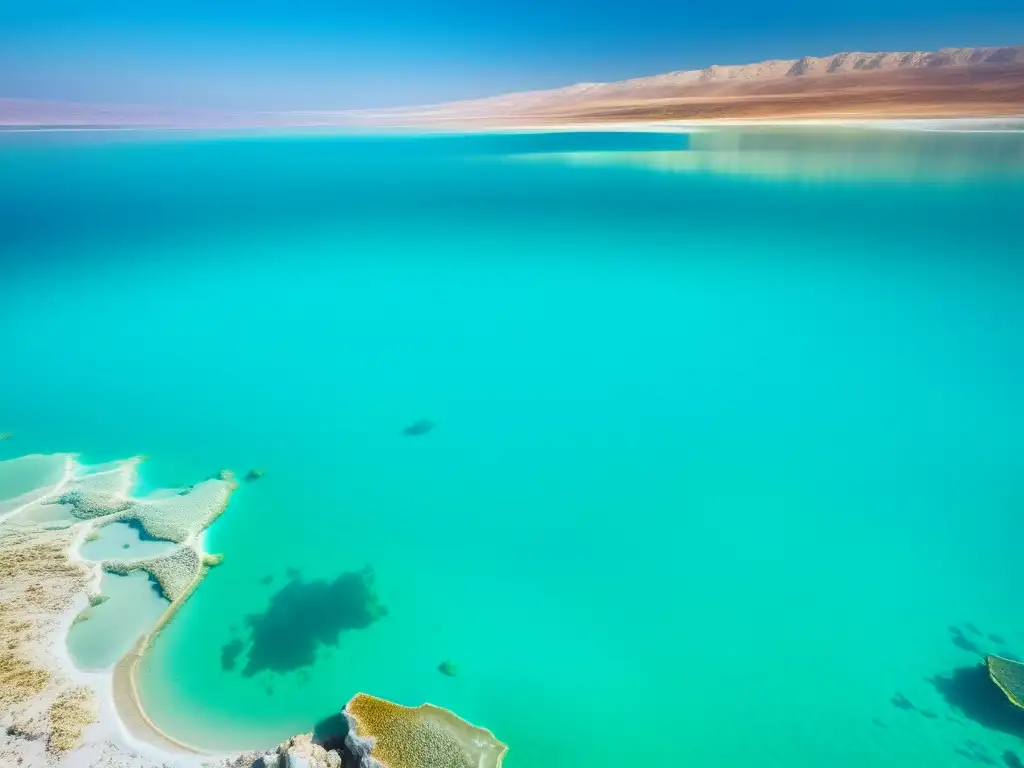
(51, 713)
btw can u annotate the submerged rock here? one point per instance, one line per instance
(1009, 676)
(960, 640)
(254, 474)
(421, 427)
(300, 752)
(900, 701)
(448, 668)
(386, 735)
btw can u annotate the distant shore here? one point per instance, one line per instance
(1009, 124)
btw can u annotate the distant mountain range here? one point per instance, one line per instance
(953, 82)
(948, 83)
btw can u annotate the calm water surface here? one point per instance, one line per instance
(722, 456)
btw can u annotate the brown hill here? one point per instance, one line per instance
(953, 82)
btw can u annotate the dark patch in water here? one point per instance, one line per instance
(962, 641)
(292, 573)
(141, 532)
(126, 546)
(330, 733)
(980, 752)
(229, 655)
(972, 629)
(304, 616)
(879, 722)
(1011, 759)
(900, 701)
(266, 579)
(964, 753)
(996, 639)
(970, 691)
(269, 690)
(928, 713)
(421, 427)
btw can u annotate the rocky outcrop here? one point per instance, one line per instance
(382, 734)
(301, 752)
(386, 735)
(1008, 675)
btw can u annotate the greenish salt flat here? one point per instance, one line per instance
(723, 460)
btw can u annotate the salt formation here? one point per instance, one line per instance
(46, 706)
(178, 518)
(300, 752)
(175, 573)
(39, 585)
(52, 714)
(386, 735)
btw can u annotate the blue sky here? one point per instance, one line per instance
(321, 54)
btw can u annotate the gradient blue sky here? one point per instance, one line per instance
(322, 54)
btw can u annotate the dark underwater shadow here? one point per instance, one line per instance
(301, 617)
(330, 732)
(969, 690)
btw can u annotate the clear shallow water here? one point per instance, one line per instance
(123, 540)
(720, 453)
(25, 477)
(134, 604)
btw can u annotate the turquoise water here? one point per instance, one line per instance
(723, 444)
(121, 541)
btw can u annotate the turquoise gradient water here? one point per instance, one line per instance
(723, 444)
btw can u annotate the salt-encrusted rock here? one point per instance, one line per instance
(300, 752)
(176, 573)
(387, 735)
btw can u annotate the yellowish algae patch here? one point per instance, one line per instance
(70, 713)
(1009, 676)
(389, 735)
